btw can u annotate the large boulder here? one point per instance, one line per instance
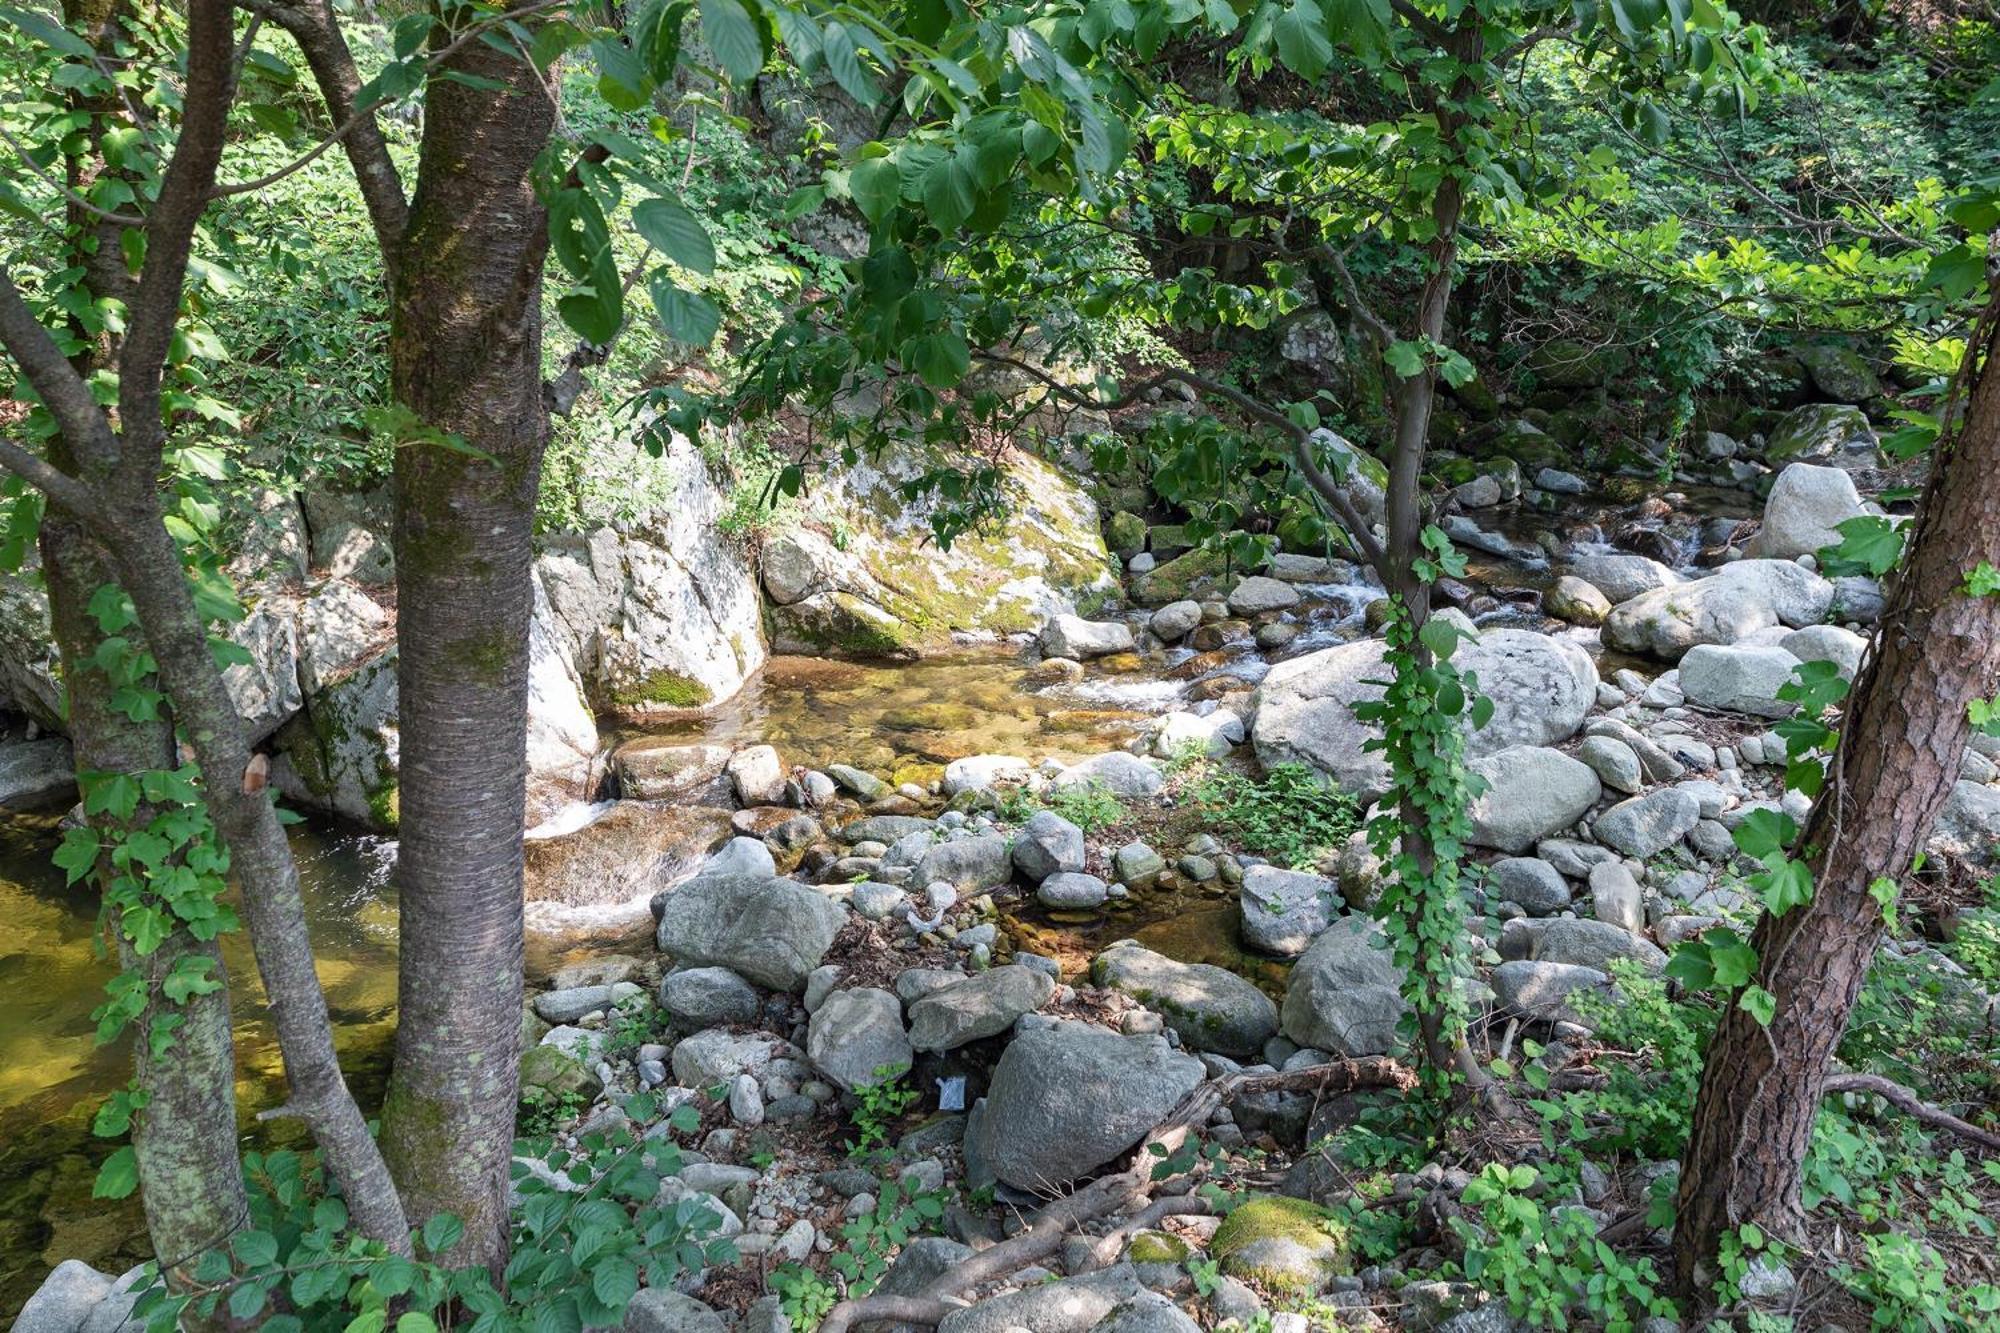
(983, 1005)
(1212, 1009)
(340, 754)
(1804, 511)
(665, 615)
(856, 1038)
(1839, 372)
(562, 730)
(1284, 909)
(1731, 604)
(1068, 1098)
(67, 1300)
(1119, 773)
(866, 577)
(1647, 825)
(1738, 678)
(1622, 577)
(1345, 995)
(773, 931)
(1531, 793)
(1969, 823)
(1541, 687)
(1048, 845)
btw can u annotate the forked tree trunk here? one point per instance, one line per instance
(466, 354)
(1905, 730)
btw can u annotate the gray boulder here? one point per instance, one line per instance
(984, 1004)
(757, 774)
(718, 1056)
(1066, 1099)
(969, 864)
(885, 828)
(856, 1038)
(706, 997)
(1827, 643)
(1072, 891)
(1614, 762)
(1257, 594)
(1345, 992)
(1530, 881)
(1048, 844)
(1175, 621)
(65, 1300)
(1532, 792)
(1073, 636)
(1806, 506)
(1070, 1305)
(1831, 433)
(1284, 909)
(1146, 1312)
(1620, 576)
(773, 931)
(1738, 678)
(1730, 604)
(981, 772)
(36, 774)
(1212, 1009)
(664, 1310)
(1647, 825)
(1532, 988)
(1120, 773)
(1595, 944)
(1969, 823)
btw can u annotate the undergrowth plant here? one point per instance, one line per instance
(1291, 814)
(882, 1100)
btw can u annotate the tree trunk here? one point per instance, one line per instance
(1905, 730)
(190, 1172)
(185, 1140)
(466, 360)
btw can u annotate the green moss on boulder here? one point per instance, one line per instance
(1282, 1244)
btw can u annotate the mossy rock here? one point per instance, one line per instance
(1571, 363)
(1180, 577)
(662, 691)
(1282, 1244)
(1818, 433)
(1125, 534)
(1839, 372)
(548, 1068)
(1157, 1247)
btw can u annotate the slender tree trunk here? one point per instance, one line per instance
(1904, 733)
(185, 1140)
(466, 360)
(190, 1173)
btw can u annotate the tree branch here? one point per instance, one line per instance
(55, 381)
(50, 179)
(316, 29)
(75, 498)
(1903, 1099)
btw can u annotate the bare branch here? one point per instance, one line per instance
(1915, 1107)
(63, 490)
(50, 180)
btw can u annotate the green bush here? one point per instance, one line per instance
(1291, 815)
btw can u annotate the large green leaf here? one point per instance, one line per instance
(687, 316)
(732, 35)
(876, 185)
(675, 233)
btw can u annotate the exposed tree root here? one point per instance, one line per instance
(1915, 1107)
(1109, 1195)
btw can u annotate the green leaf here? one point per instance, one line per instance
(255, 1249)
(1957, 272)
(1869, 544)
(948, 196)
(942, 359)
(687, 316)
(46, 31)
(1732, 958)
(440, 1233)
(1405, 358)
(1302, 41)
(1982, 580)
(416, 1322)
(843, 61)
(1759, 1003)
(1764, 832)
(732, 35)
(1440, 636)
(119, 1175)
(247, 1300)
(877, 187)
(614, 1281)
(675, 233)
(76, 855)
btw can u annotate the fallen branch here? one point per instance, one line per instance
(1110, 1194)
(1910, 1104)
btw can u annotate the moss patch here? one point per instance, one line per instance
(662, 689)
(1282, 1244)
(1156, 1247)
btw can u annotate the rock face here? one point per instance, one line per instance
(1740, 678)
(1621, 577)
(1831, 433)
(1068, 1098)
(1731, 604)
(856, 1038)
(860, 573)
(1532, 792)
(1806, 506)
(1541, 689)
(773, 931)
(1212, 1009)
(1284, 909)
(340, 755)
(1969, 823)
(665, 616)
(1344, 996)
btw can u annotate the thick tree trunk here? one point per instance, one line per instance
(466, 353)
(1905, 730)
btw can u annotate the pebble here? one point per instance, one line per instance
(746, 1101)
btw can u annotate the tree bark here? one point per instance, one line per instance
(1905, 730)
(466, 360)
(185, 1140)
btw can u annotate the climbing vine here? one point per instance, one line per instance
(1420, 834)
